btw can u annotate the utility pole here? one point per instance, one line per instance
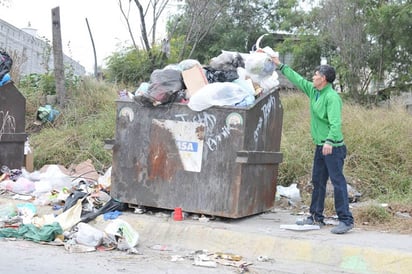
(94, 50)
(58, 57)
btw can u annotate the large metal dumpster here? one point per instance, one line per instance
(222, 161)
(12, 126)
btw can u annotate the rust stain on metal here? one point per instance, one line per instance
(236, 190)
(200, 132)
(163, 159)
(157, 162)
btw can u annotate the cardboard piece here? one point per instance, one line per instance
(194, 79)
(28, 157)
(85, 169)
(29, 161)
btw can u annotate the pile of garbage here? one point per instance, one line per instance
(230, 79)
(78, 195)
(5, 67)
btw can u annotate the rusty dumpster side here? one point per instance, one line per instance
(222, 161)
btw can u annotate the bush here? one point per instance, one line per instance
(131, 67)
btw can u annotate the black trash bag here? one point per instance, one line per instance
(5, 64)
(213, 75)
(87, 216)
(111, 205)
(164, 83)
(147, 101)
(72, 199)
(180, 96)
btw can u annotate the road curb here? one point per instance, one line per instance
(352, 258)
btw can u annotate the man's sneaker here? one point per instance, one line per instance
(309, 221)
(341, 228)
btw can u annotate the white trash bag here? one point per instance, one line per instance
(128, 237)
(217, 94)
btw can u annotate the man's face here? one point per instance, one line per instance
(319, 80)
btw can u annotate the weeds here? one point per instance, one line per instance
(373, 214)
(378, 141)
(79, 132)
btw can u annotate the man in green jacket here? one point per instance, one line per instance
(330, 153)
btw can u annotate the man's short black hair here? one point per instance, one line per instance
(328, 72)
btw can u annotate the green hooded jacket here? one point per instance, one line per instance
(325, 109)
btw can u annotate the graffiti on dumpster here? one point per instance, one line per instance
(212, 139)
(7, 123)
(262, 122)
(209, 120)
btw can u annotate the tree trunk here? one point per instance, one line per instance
(143, 26)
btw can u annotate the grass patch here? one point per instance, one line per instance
(378, 142)
(372, 214)
(79, 132)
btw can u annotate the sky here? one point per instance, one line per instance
(107, 25)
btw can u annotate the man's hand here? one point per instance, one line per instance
(276, 61)
(327, 149)
(272, 54)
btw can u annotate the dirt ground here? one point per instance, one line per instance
(399, 220)
(368, 215)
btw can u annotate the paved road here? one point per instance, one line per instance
(21, 257)
(315, 251)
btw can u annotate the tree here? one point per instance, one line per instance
(210, 26)
(150, 13)
(369, 43)
(197, 21)
(390, 29)
(341, 28)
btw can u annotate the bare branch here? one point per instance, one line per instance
(203, 17)
(126, 17)
(157, 7)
